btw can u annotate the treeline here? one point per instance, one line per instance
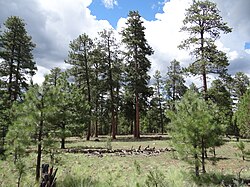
(106, 90)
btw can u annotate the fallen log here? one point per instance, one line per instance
(120, 152)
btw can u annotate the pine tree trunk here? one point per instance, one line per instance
(96, 128)
(89, 94)
(196, 163)
(214, 152)
(161, 115)
(10, 81)
(63, 137)
(204, 72)
(39, 155)
(116, 108)
(39, 151)
(63, 143)
(137, 117)
(96, 120)
(203, 155)
(89, 129)
(19, 179)
(113, 124)
(16, 91)
(131, 127)
(11, 71)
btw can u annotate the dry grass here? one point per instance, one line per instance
(130, 170)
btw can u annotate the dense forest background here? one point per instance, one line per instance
(108, 91)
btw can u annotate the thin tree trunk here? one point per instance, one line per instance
(11, 68)
(96, 112)
(113, 125)
(204, 72)
(19, 179)
(203, 155)
(10, 81)
(116, 108)
(214, 152)
(89, 94)
(131, 127)
(96, 128)
(39, 149)
(137, 117)
(196, 163)
(63, 137)
(16, 91)
(161, 116)
(63, 143)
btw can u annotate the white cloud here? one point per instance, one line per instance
(164, 36)
(110, 3)
(39, 76)
(53, 24)
(247, 51)
(64, 21)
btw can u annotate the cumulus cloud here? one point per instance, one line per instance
(164, 36)
(110, 3)
(236, 14)
(53, 24)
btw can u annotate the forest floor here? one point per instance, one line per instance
(149, 161)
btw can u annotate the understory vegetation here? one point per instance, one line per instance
(136, 169)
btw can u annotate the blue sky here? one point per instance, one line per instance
(120, 8)
(247, 45)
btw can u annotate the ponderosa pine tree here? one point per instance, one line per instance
(204, 25)
(175, 83)
(33, 114)
(61, 93)
(109, 47)
(98, 85)
(137, 63)
(194, 128)
(79, 57)
(219, 94)
(158, 99)
(18, 62)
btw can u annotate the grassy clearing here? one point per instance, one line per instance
(132, 170)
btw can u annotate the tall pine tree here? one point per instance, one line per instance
(137, 63)
(18, 62)
(204, 24)
(175, 83)
(16, 65)
(110, 49)
(79, 57)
